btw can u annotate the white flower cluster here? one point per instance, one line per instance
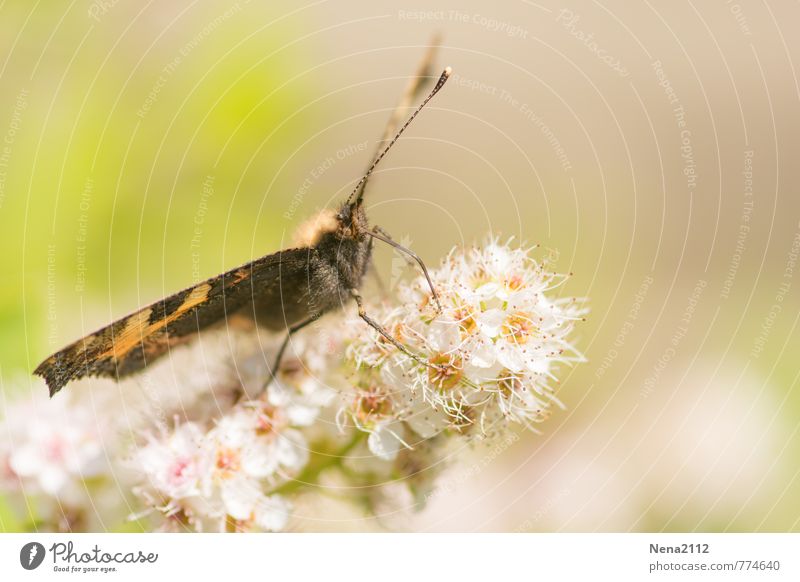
(49, 451)
(196, 477)
(219, 477)
(206, 449)
(488, 358)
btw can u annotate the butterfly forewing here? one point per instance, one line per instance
(129, 344)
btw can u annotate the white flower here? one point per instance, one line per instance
(218, 471)
(490, 356)
(245, 502)
(300, 398)
(271, 513)
(218, 477)
(52, 446)
(176, 465)
(248, 442)
(385, 439)
(59, 458)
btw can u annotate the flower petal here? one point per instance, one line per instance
(240, 495)
(272, 513)
(384, 442)
(491, 321)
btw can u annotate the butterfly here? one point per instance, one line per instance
(286, 290)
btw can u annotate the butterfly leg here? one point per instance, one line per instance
(373, 272)
(378, 233)
(380, 230)
(386, 335)
(273, 371)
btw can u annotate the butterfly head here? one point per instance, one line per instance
(352, 218)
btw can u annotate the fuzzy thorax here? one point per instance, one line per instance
(309, 233)
(349, 222)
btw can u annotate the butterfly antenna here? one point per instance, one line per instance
(439, 84)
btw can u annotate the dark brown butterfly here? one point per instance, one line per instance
(286, 290)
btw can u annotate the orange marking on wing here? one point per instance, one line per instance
(137, 326)
(240, 275)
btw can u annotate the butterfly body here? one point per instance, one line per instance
(276, 291)
(319, 278)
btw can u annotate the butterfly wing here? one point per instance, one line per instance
(129, 344)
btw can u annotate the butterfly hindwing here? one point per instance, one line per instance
(130, 343)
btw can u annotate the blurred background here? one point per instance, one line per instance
(650, 148)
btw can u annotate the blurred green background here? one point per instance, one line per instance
(652, 149)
